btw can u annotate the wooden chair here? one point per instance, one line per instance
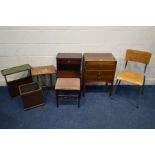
(132, 76)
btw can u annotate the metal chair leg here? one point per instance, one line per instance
(119, 82)
(116, 84)
(137, 103)
(142, 89)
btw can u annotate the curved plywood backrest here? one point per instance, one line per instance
(138, 56)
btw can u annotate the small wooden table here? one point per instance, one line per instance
(43, 70)
(99, 67)
(13, 85)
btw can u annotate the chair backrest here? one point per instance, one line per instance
(138, 56)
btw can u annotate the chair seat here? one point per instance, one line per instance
(67, 84)
(131, 76)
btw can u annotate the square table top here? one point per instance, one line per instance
(99, 57)
(16, 69)
(43, 70)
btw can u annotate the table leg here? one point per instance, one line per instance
(51, 80)
(111, 89)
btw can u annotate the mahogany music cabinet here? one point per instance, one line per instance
(69, 65)
(99, 67)
(68, 84)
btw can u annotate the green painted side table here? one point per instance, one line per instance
(13, 85)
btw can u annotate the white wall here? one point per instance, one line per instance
(39, 45)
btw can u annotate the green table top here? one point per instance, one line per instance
(16, 69)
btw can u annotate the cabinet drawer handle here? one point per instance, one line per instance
(99, 73)
(99, 77)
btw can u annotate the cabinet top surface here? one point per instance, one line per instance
(69, 56)
(99, 57)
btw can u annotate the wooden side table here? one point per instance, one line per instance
(13, 85)
(99, 67)
(42, 71)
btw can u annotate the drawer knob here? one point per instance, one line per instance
(99, 77)
(99, 73)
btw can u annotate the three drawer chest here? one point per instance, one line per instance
(99, 67)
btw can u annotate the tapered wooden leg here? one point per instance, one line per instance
(111, 89)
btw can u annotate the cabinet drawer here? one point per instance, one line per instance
(100, 65)
(99, 79)
(99, 73)
(68, 61)
(98, 76)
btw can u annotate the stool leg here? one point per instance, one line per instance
(84, 89)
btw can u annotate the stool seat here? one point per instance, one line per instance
(67, 84)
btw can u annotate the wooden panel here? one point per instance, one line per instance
(99, 75)
(100, 65)
(68, 74)
(138, 56)
(68, 61)
(99, 79)
(14, 85)
(98, 72)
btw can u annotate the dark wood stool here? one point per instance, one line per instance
(32, 95)
(68, 88)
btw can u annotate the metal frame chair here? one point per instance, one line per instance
(131, 76)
